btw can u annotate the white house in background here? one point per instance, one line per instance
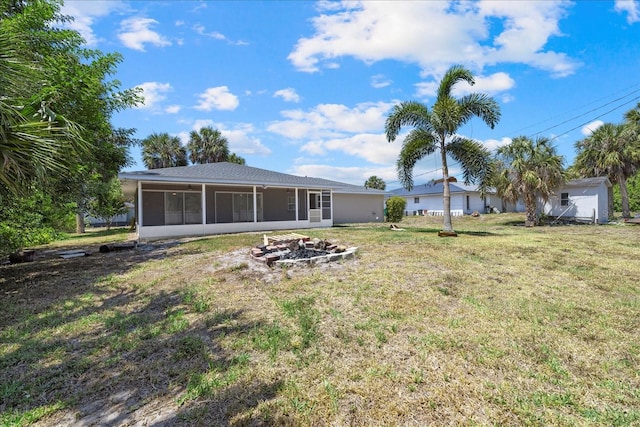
(220, 198)
(426, 199)
(581, 199)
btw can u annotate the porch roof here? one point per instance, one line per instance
(235, 174)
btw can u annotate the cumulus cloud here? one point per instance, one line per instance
(348, 174)
(631, 8)
(457, 32)
(591, 127)
(289, 94)
(135, 32)
(153, 93)
(494, 144)
(86, 13)
(331, 121)
(217, 98)
(240, 136)
(493, 84)
(373, 148)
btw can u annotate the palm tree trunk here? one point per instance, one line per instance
(624, 196)
(447, 227)
(530, 208)
(80, 223)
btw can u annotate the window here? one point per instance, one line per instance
(291, 203)
(564, 199)
(182, 208)
(243, 207)
(416, 200)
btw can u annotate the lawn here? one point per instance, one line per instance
(502, 325)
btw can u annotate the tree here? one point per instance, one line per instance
(160, 150)
(375, 182)
(35, 142)
(207, 146)
(108, 201)
(435, 129)
(65, 83)
(633, 187)
(395, 208)
(612, 150)
(234, 158)
(528, 169)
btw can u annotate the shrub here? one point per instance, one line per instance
(395, 208)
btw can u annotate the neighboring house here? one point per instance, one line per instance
(426, 199)
(584, 199)
(116, 220)
(218, 198)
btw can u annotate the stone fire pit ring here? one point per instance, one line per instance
(296, 249)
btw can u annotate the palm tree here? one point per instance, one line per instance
(208, 146)
(234, 158)
(528, 169)
(436, 129)
(375, 182)
(612, 150)
(160, 150)
(34, 141)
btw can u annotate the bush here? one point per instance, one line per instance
(395, 208)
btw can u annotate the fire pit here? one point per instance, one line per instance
(293, 249)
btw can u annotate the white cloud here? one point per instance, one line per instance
(349, 174)
(85, 13)
(591, 127)
(289, 94)
(217, 98)
(153, 93)
(136, 32)
(241, 140)
(457, 32)
(631, 7)
(373, 148)
(200, 29)
(494, 144)
(173, 109)
(491, 85)
(331, 121)
(379, 81)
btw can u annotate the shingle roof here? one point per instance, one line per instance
(232, 173)
(588, 182)
(434, 188)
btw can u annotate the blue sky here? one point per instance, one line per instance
(304, 87)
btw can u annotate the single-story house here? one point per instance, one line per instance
(116, 220)
(218, 198)
(581, 199)
(426, 199)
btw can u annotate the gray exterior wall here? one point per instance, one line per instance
(354, 208)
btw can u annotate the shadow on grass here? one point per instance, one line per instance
(127, 357)
(79, 345)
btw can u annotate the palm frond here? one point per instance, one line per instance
(418, 144)
(409, 113)
(455, 74)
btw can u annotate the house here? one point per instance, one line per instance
(585, 199)
(116, 220)
(426, 199)
(218, 198)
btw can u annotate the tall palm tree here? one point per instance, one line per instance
(436, 128)
(528, 169)
(612, 150)
(160, 150)
(34, 141)
(208, 146)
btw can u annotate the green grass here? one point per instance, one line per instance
(502, 325)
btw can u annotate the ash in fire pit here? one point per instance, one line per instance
(296, 248)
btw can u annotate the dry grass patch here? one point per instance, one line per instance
(500, 326)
